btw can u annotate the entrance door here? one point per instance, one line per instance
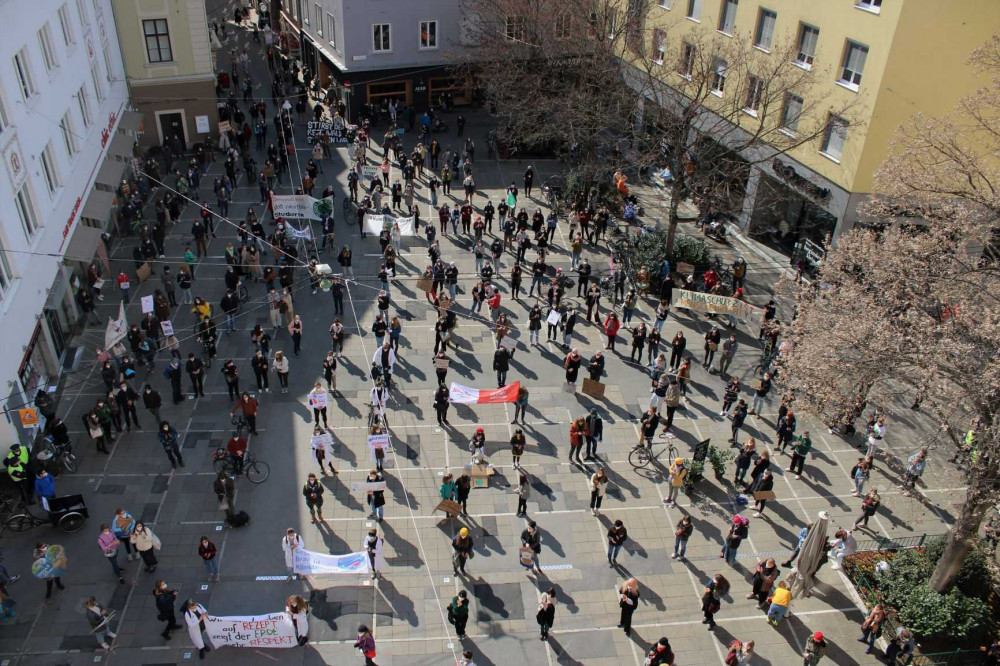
(172, 125)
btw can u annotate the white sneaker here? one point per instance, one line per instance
(722, 413)
(105, 646)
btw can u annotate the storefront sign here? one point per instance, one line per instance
(702, 302)
(201, 124)
(791, 176)
(107, 131)
(29, 416)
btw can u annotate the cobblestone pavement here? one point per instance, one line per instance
(406, 606)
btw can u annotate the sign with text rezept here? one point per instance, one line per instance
(254, 631)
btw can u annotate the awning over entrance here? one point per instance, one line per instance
(97, 208)
(121, 146)
(110, 173)
(131, 121)
(83, 244)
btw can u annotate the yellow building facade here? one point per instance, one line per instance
(169, 65)
(886, 59)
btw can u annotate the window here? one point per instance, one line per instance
(157, 40)
(874, 6)
(95, 76)
(694, 10)
(854, 64)
(514, 27)
(612, 22)
(23, 71)
(48, 52)
(65, 25)
(331, 35)
(318, 22)
(6, 276)
(664, 3)
(107, 61)
(25, 211)
(791, 113)
(755, 91)
(834, 137)
(659, 45)
(3, 116)
(81, 98)
(66, 125)
(380, 38)
(429, 34)
(808, 36)
(765, 29)
(563, 24)
(81, 11)
(719, 67)
(686, 65)
(727, 19)
(49, 169)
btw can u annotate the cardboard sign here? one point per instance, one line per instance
(508, 343)
(143, 272)
(444, 302)
(167, 327)
(527, 557)
(592, 388)
(425, 284)
(553, 318)
(147, 304)
(367, 486)
(441, 363)
(380, 441)
(317, 400)
(764, 495)
(450, 507)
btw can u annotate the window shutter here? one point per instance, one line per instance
(856, 56)
(767, 29)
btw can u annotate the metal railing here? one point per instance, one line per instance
(898, 543)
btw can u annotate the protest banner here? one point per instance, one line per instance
(323, 440)
(274, 630)
(301, 207)
(465, 395)
(369, 171)
(311, 563)
(441, 363)
(167, 327)
(117, 329)
(702, 302)
(147, 304)
(375, 223)
(508, 343)
(553, 318)
(336, 130)
(378, 441)
(367, 486)
(317, 400)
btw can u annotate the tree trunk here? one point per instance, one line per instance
(675, 196)
(961, 539)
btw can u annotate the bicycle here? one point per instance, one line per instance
(68, 513)
(59, 455)
(255, 470)
(206, 354)
(240, 425)
(642, 454)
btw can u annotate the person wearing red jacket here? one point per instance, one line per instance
(494, 303)
(249, 406)
(578, 431)
(611, 326)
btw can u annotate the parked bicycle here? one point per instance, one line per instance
(642, 454)
(68, 513)
(57, 456)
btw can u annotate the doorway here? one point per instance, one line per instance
(172, 125)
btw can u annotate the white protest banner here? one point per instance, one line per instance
(375, 223)
(553, 317)
(323, 441)
(317, 400)
(367, 486)
(311, 563)
(167, 327)
(301, 206)
(117, 328)
(335, 130)
(369, 171)
(702, 302)
(508, 343)
(147, 304)
(254, 631)
(304, 232)
(380, 441)
(441, 363)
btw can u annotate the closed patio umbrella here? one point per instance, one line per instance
(801, 581)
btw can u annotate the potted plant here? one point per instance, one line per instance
(696, 470)
(718, 459)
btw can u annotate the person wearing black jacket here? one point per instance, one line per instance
(530, 538)
(617, 535)
(151, 401)
(441, 404)
(230, 305)
(232, 376)
(628, 599)
(196, 371)
(595, 433)
(173, 373)
(126, 398)
(596, 366)
(677, 346)
(537, 273)
(165, 601)
(151, 327)
(501, 363)
(337, 291)
(763, 462)
(583, 270)
(313, 492)
(260, 368)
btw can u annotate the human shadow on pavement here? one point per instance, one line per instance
(561, 657)
(407, 555)
(400, 605)
(343, 451)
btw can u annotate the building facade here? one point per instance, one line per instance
(170, 67)
(372, 52)
(66, 137)
(886, 59)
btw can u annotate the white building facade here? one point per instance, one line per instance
(66, 140)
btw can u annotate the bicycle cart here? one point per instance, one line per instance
(67, 513)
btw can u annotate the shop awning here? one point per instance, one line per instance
(83, 244)
(98, 207)
(121, 145)
(110, 173)
(131, 121)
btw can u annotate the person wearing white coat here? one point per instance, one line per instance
(194, 616)
(373, 546)
(290, 543)
(297, 610)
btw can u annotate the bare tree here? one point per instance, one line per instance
(910, 306)
(612, 91)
